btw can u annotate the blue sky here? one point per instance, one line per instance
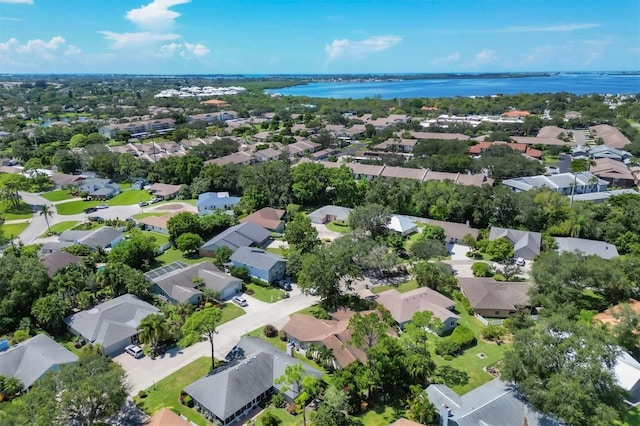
(317, 36)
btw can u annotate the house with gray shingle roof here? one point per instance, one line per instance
(105, 237)
(586, 247)
(330, 213)
(99, 189)
(494, 299)
(33, 358)
(208, 202)
(526, 244)
(246, 234)
(227, 395)
(112, 324)
(178, 282)
(494, 403)
(261, 264)
(57, 260)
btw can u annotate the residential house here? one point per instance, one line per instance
(164, 191)
(228, 394)
(492, 299)
(246, 234)
(609, 316)
(530, 140)
(586, 247)
(363, 171)
(156, 223)
(453, 232)
(323, 154)
(552, 132)
(179, 282)
(402, 225)
(403, 173)
(62, 180)
(564, 183)
(600, 197)
(268, 154)
(525, 244)
(112, 324)
(604, 151)
(99, 189)
(626, 371)
(56, 261)
(614, 172)
(212, 117)
(208, 202)
(33, 358)
(261, 264)
(139, 129)
(403, 306)
(54, 246)
(166, 417)
(241, 158)
(516, 114)
(101, 238)
(267, 218)
(610, 136)
(304, 330)
(330, 213)
(439, 136)
(494, 403)
(302, 147)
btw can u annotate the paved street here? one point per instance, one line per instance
(144, 372)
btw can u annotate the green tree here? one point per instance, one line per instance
(296, 379)
(420, 409)
(437, 276)
(183, 223)
(121, 279)
(309, 183)
(371, 218)
(366, 330)
(10, 386)
(49, 312)
(500, 249)
(83, 394)
(332, 409)
(223, 255)
(432, 232)
(47, 212)
(301, 234)
(202, 323)
(627, 329)
(153, 328)
(10, 184)
(189, 243)
(425, 249)
(137, 252)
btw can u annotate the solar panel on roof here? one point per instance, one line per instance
(164, 270)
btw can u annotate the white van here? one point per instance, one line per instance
(240, 301)
(134, 350)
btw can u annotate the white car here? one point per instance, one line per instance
(135, 351)
(102, 206)
(520, 261)
(240, 301)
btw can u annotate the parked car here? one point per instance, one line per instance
(313, 291)
(240, 301)
(102, 206)
(94, 218)
(90, 210)
(134, 350)
(143, 203)
(155, 200)
(520, 261)
(285, 285)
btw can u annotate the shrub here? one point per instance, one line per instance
(447, 346)
(481, 269)
(260, 283)
(19, 336)
(448, 357)
(240, 272)
(464, 337)
(278, 400)
(282, 335)
(292, 409)
(188, 401)
(142, 394)
(466, 304)
(493, 332)
(270, 331)
(249, 291)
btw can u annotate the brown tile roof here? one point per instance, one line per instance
(609, 168)
(235, 158)
(58, 260)
(551, 132)
(607, 317)
(164, 189)
(215, 102)
(406, 422)
(268, 218)
(157, 221)
(453, 229)
(529, 140)
(403, 173)
(166, 417)
(612, 137)
(486, 293)
(403, 306)
(516, 114)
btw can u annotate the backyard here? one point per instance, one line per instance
(402, 288)
(265, 294)
(60, 227)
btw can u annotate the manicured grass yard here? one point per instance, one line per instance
(75, 207)
(143, 215)
(402, 288)
(230, 311)
(129, 197)
(381, 416)
(174, 255)
(338, 227)
(58, 195)
(632, 418)
(60, 227)
(10, 212)
(285, 418)
(12, 230)
(275, 341)
(269, 295)
(276, 250)
(166, 392)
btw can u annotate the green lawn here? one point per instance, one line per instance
(10, 212)
(230, 311)
(275, 341)
(129, 197)
(276, 250)
(632, 418)
(143, 215)
(379, 416)
(285, 418)
(75, 207)
(59, 228)
(12, 230)
(59, 195)
(174, 255)
(269, 295)
(166, 392)
(402, 288)
(338, 227)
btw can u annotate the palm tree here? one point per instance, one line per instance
(153, 328)
(47, 212)
(12, 387)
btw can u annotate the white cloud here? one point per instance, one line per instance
(454, 57)
(131, 40)
(155, 15)
(17, 1)
(359, 49)
(35, 53)
(549, 28)
(582, 52)
(184, 50)
(484, 57)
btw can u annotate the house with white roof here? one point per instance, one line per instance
(564, 183)
(402, 225)
(211, 201)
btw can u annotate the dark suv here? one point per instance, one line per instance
(285, 285)
(90, 210)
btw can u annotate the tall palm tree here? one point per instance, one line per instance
(47, 212)
(153, 328)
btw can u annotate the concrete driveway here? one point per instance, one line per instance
(144, 372)
(324, 233)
